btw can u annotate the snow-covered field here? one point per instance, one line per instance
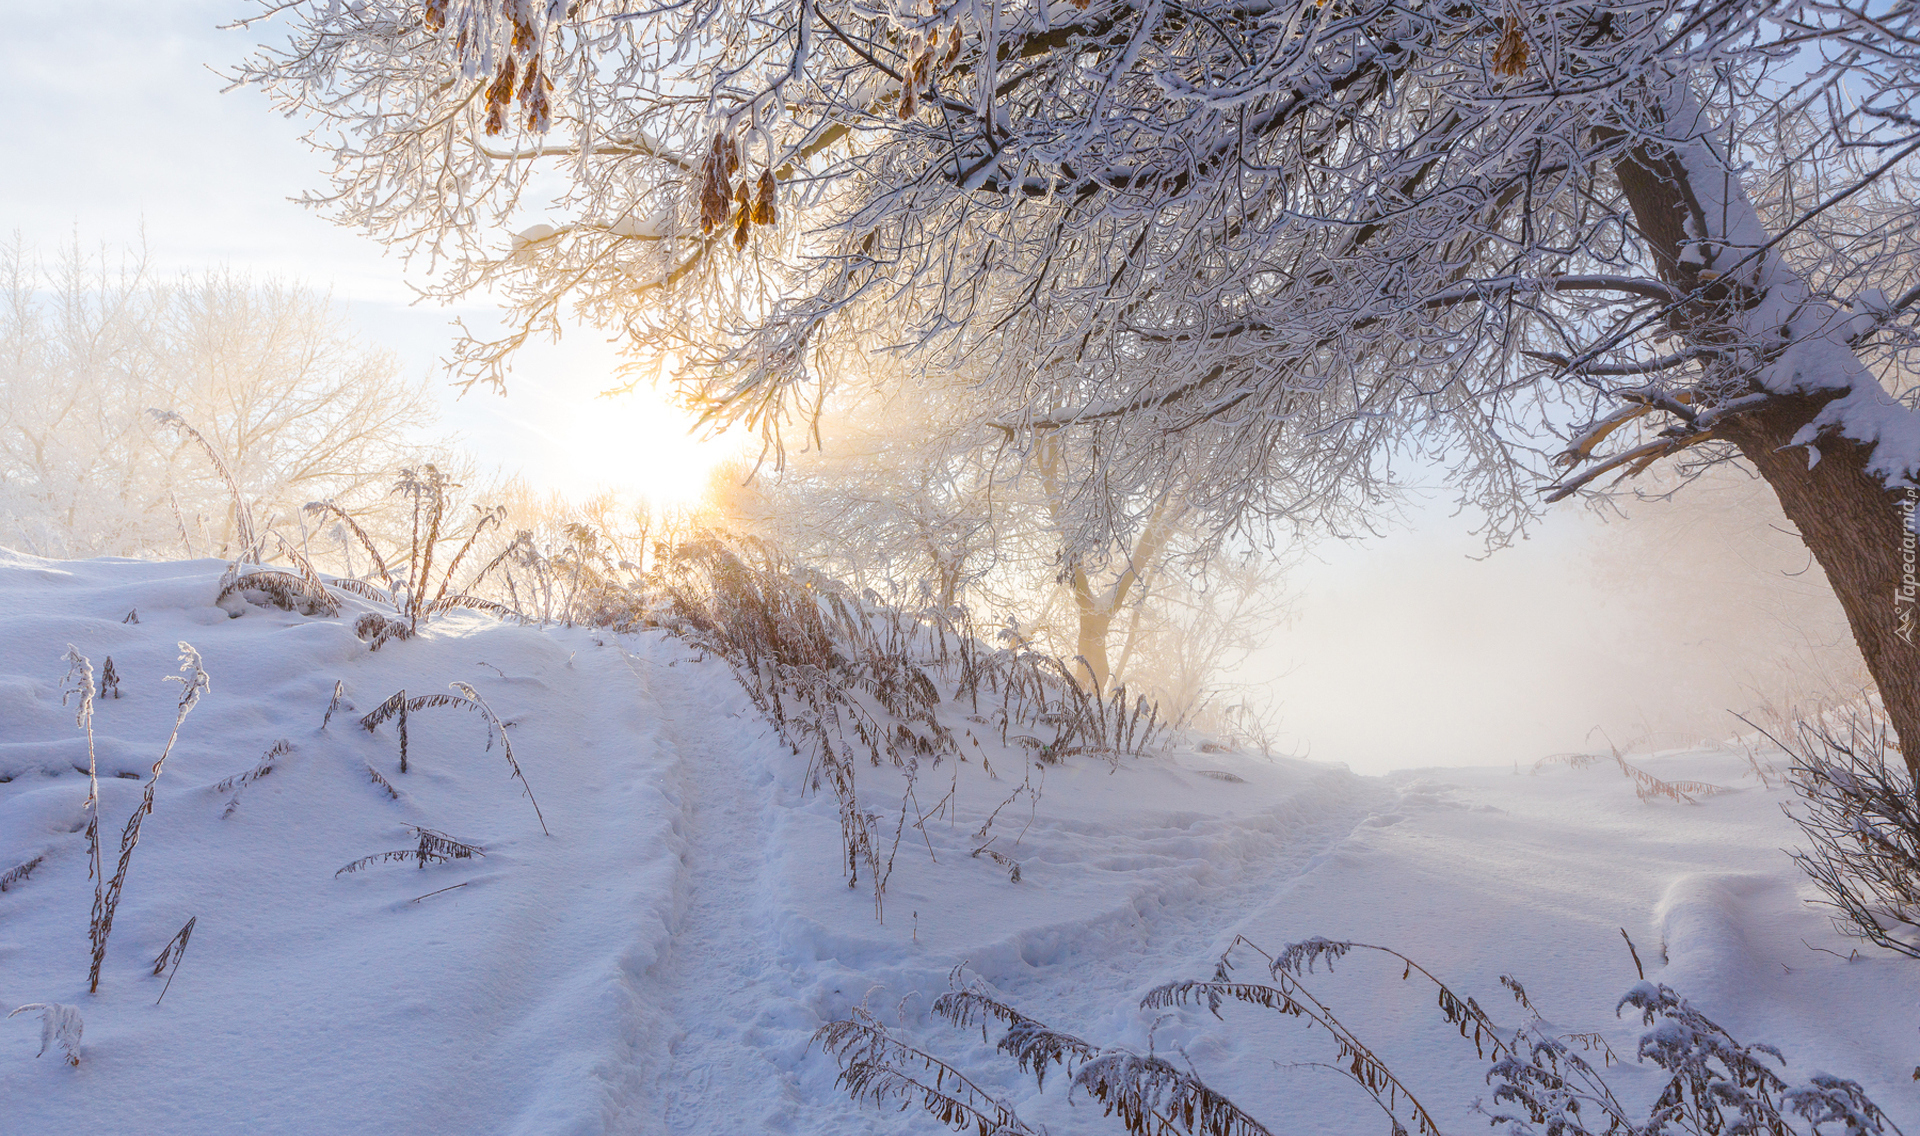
(661, 961)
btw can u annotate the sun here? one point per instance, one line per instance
(637, 444)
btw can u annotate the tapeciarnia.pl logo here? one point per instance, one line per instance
(1905, 596)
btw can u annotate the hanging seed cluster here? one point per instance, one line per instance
(513, 81)
(1510, 54)
(925, 53)
(722, 198)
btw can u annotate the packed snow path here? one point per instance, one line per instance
(659, 963)
(750, 975)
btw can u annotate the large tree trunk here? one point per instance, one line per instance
(1857, 529)
(1856, 525)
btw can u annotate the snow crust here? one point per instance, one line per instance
(660, 963)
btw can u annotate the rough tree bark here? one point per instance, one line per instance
(1854, 524)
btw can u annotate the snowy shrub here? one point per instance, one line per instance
(1860, 815)
(375, 629)
(410, 589)
(59, 1024)
(284, 590)
(1714, 1086)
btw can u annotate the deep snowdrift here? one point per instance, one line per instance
(661, 961)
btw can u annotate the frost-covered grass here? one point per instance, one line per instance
(661, 962)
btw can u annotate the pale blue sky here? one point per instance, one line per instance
(116, 125)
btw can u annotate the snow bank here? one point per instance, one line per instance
(660, 963)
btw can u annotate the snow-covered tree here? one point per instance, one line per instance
(296, 407)
(1261, 249)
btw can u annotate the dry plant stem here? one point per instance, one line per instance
(431, 847)
(442, 891)
(1714, 1085)
(242, 515)
(339, 689)
(495, 727)
(353, 526)
(173, 952)
(487, 517)
(59, 1025)
(194, 684)
(467, 698)
(79, 684)
(395, 704)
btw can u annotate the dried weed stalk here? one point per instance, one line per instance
(172, 953)
(59, 1024)
(431, 847)
(243, 524)
(1645, 785)
(79, 686)
(398, 705)
(1543, 1086)
(337, 702)
(193, 682)
(266, 765)
(853, 681)
(19, 872)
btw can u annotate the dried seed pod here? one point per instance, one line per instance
(731, 148)
(953, 49)
(922, 65)
(715, 188)
(740, 230)
(763, 210)
(538, 117)
(909, 100)
(530, 80)
(1510, 55)
(434, 14)
(533, 96)
(499, 95)
(523, 36)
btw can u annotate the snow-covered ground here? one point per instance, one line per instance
(661, 961)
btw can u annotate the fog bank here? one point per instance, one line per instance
(1646, 629)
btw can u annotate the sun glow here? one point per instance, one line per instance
(566, 436)
(636, 444)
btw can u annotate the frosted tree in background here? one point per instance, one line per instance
(1257, 249)
(297, 408)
